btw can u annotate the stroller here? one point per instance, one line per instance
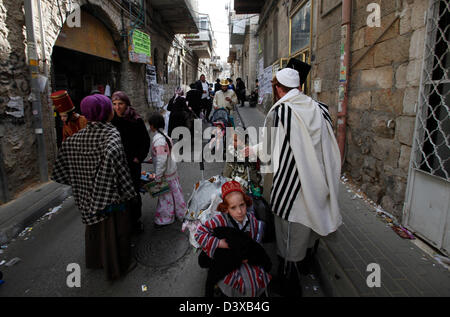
(253, 100)
(221, 120)
(221, 116)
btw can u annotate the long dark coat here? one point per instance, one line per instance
(178, 113)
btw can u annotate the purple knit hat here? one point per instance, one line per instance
(96, 108)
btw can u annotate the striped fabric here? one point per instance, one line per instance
(325, 112)
(253, 276)
(286, 182)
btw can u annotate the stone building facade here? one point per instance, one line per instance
(386, 64)
(176, 65)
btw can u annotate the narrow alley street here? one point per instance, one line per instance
(351, 182)
(167, 263)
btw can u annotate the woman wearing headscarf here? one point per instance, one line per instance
(178, 111)
(136, 143)
(240, 91)
(93, 162)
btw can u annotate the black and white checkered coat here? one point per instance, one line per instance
(93, 162)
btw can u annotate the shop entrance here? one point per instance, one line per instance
(83, 60)
(80, 74)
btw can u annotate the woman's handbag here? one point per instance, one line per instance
(158, 188)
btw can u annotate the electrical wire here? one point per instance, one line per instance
(60, 12)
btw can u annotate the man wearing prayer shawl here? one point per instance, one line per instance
(93, 162)
(301, 175)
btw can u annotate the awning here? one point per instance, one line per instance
(248, 6)
(178, 15)
(92, 38)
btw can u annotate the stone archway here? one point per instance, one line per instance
(85, 58)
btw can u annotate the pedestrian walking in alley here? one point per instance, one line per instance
(242, 270)
(231, 85)
(203, 86)
(254, 95)
(194, 99)
(179, 111)
(225, 98)
(217, 86)
(302, 182)
(170, 205)
(73, 122)
(94, 163)
(136, 143)
(240, 91)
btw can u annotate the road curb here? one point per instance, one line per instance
(20, 213)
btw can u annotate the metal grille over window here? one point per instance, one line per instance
(432, 137)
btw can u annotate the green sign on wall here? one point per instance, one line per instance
(140, 48)
(141, 43)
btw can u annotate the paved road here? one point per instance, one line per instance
(167, 264)
(57, 242)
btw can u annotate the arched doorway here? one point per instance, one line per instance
(84, 59)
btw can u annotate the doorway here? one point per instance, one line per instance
(80, 74)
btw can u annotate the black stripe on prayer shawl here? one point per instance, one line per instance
(282, 154)
(286, 184)
(325, 112)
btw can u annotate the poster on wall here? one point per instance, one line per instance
(260, 67)
(16, 103)
(151, 74)
(265, 83)
(155, 91)
(139, 47)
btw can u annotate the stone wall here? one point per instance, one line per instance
(273, 37)
(383, 92)
(383, 89)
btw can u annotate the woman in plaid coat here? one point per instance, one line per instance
(93, 162)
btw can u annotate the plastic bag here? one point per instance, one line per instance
(202, 196)
(202, 205)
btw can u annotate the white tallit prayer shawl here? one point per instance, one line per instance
(307, 172)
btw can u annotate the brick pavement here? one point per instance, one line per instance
(406, 270)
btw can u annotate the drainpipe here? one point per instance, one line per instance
(344, 76)
(44, 53)
(33, 64)
(4, 193)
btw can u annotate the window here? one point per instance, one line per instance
(300, 29)
(432, 145)
(204, 25)
(300, 36)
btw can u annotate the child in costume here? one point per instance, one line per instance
(237, 263)
(170, 205)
